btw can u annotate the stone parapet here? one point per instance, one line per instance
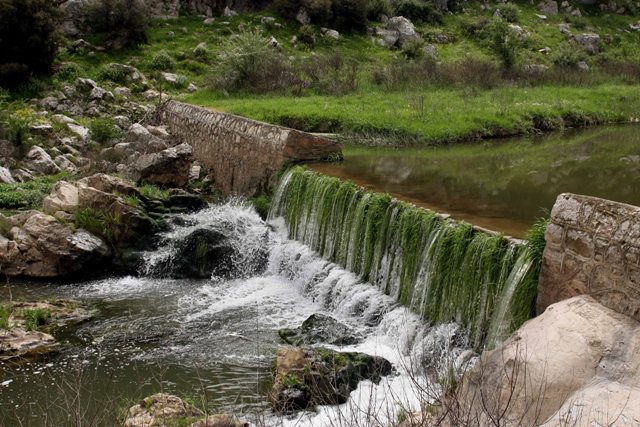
(241, 154)
(593, 247)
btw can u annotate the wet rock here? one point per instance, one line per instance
(37, 160)
(169, 167)
(161, 410)
(319, 328)
(306, 377)
(202, 254)
(18, 342)
(181, 201)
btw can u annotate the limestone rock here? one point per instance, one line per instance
(170, 78)
(581, 363)
(229, 13)
(137, 132)
(159, 132)
(303, 16)
(63, 197)
(18, 342)
(160, 410)
(5, 176)
(39, 161)
(80, 131)
(109, 184)
(85, 85)
(64, 163)
(405, 29)
(169, 167)
(192, 88)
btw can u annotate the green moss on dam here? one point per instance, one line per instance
(443, 270)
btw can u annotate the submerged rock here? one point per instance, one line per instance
(306, 377)
(319, 328)
(28, 324)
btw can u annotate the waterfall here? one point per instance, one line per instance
(444, 271)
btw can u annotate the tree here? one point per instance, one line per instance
(28, 39)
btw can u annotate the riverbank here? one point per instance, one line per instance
(436, 116)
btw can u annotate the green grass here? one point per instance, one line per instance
(439, 115)
(35, 317)
(151, 191)
(5, 312)
(28, 195)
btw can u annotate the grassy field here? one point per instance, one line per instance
(462, 103)
(440, 115)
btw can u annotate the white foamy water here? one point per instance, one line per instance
(225, 330)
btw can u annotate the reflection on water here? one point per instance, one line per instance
(502, 185)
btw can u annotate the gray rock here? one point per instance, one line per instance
(81, 131)
(23, 175)
(130, 74)
(5, 176)
(331, 34)
(273, 43)
(192, 88)
(318, 329)
(582, 65)
(61, 118)
(229, 13)
(303, 16)
(169, 167)
(85, 85)
(124, 92)
(123, 122)
(431, 51)
(209, 21)
(549, 7)
(590, 42)
(267, 20)
(138, 133)
(63, 197)
(50, 103)
(39, 161)
(65, 163)
(200, 49)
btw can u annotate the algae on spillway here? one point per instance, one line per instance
(443, 270)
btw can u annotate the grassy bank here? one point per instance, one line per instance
(441, 115)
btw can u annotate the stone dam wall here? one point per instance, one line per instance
(593, 247)
(241, 154)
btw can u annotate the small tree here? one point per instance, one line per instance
(28, 39)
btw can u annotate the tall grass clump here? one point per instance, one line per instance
(35, 317)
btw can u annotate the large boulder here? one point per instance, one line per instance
(306, 377)
(590, 42)
(398, 31)
(319, 328)
(577, 361)
(38, 245)
(5, 176)
(169, 167)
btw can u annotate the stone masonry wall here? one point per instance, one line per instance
(241, 154)
(593, 247)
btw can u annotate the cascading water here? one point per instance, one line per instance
(220, 334)
(443, 270)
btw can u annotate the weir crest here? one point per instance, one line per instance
(443, 270)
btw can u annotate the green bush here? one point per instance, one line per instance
(35, 317)
(377, 8)
(413, 49)
(419, 11)
(103, 130)
(123, 22)
(14, 126)
(568, 54)
(69, 71)
(307, 35)
(115, 73)
(28, 40)
(509, 12)
(262, 204)
(504, 42)
(162, 61)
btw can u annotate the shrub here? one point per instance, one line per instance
(28, 39)
(331, 75)
(15, 126)
(419, 11)
(350, 15)
(115, 73)
(103, 130)
(162, 61)
(568, 54)
(504, 42)
(413, 49)
(307, 35)
(123, 22)
(28, 195)
(509, 12)
(377, 8)
(262, 204)
(35, 317)
(69, 71)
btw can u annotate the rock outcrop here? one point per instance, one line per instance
(306, 377)
(169, 167)
(576, 363)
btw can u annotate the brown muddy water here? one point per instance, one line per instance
(502, 185)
